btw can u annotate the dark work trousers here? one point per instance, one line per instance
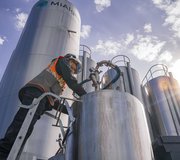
(12, 131)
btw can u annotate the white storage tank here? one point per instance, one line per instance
(52, 29)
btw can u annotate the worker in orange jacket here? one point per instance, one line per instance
(52, 79)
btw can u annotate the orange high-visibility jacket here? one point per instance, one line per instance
(47, 81)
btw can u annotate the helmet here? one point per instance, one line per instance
(70, 56)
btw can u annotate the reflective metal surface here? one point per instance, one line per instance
(52, 29)
(161, 99)
(87, 63)
(112, 126)
(129, 81)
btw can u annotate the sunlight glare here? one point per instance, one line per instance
(176, 70)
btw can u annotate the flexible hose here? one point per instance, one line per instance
(118, 72)
(85, 81)
(107, 63)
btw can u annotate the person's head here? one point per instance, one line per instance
(74, 63)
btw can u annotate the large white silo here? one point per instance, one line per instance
(52, 29)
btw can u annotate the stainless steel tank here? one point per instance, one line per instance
(52, 29)
(87, 63)
(112, 126)
(161, 95)
(129, 80)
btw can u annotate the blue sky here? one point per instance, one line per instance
(147, 31)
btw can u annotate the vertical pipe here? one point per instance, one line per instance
(84, 68)
(147, 112)
(122, 84)
(131, 83)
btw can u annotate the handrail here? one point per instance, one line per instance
(37, 100)
(124, 59)
(84, 48)
(66, 104)
(151, 73)
(18, 144)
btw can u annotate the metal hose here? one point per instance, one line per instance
(118, 73)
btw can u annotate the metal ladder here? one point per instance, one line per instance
(18, 145)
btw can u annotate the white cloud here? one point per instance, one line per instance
(102, 4)
(113, 47)
(147, 28)
(175, 70)
(85, 31)
(143, 47)
(18, 10)
(2, 39)
(108, 47)
(165, 56)
(147, 47)
(129, 38)
(21, 19)
(172, 11)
